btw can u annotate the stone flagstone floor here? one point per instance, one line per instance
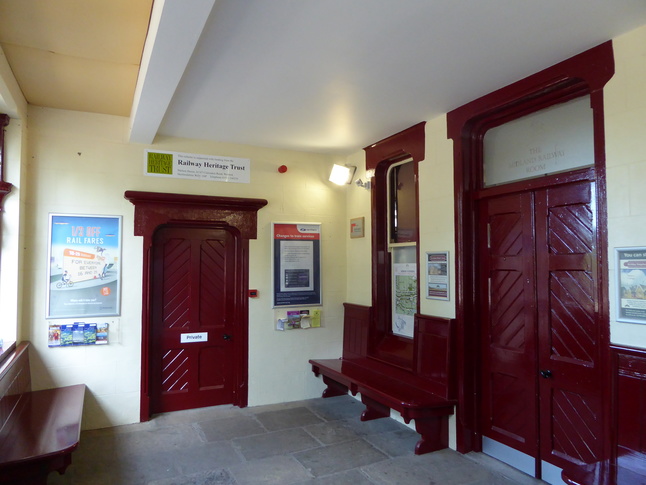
(318, 442)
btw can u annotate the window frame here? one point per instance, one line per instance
(382, 343)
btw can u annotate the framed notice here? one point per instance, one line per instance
(356, 227)
(631, 285)
(84, 266)
(297, 264)
(437, 275)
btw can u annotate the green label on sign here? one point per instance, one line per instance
(160, 163)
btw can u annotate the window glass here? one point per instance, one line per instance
(551, 140)
(402, 203)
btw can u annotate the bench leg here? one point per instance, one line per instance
(334, 388)
(434, 432)
(374, 410)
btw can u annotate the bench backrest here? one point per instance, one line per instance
(433, 360)
(15, 380)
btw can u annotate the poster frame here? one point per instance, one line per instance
(282, 298)
(442, 278)
(82, 221)
(637, 254)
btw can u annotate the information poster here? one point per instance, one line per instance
(84, 266)
(405, 291)
(631, 271)
(297, 264)
(437, 275)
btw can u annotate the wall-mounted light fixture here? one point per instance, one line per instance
(361, 183)
(342, 174)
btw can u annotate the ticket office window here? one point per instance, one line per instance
(402, 245)
(396, 262)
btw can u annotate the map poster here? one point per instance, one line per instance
(405, 293)
(437, 275)
(84, 266)
(631, 272)
(297, 264)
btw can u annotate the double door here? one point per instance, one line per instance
(541, 386)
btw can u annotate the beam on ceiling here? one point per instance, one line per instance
(175, 28)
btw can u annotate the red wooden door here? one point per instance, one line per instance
(194, 281)
(541, 386)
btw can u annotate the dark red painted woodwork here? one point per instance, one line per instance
(195, 281)
(382, 343)
(434, 359)
(4, 122)
(627, 462)
(572, 419)
(356, 324)
(585, 73)
(630, 410)
(425, 394)
(539, 256)
(40, 429)
(5, 187)
(382, 389)
(409, 142)
(155, 209)
(508, 369)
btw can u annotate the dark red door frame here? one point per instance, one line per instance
(154, 209)
(585, 73)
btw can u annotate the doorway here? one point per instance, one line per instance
(230, 223)
(195, 280)
(544, 414)
(540, 361)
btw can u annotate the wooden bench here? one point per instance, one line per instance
(39, 430)
(382, 389)
(424, 392)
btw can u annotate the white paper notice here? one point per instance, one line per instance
(297, 264)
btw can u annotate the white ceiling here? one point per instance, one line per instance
(333, 76)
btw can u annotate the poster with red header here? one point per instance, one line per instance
(297, 264)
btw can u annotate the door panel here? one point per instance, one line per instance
(194, 281)
(540, 374)
(509, 388)
(571, 408)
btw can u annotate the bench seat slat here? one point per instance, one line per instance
(48, 424)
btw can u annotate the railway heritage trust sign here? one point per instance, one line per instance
(195, 166)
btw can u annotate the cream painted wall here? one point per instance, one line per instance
(625, 123)
(359, 250)
(82, 163)
(436, 212)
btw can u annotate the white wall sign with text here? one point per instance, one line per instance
(199, 167)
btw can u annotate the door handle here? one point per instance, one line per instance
(545, 374)
(226, 336)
